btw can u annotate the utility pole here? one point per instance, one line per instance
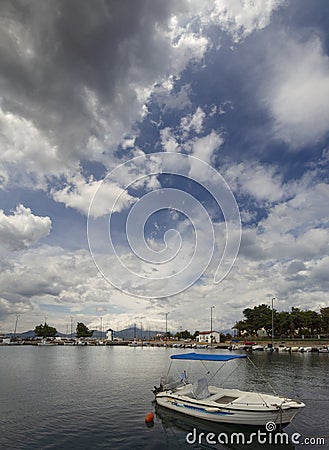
(273, 324)
(16, 322)
(71, 326)
(45, 327)
(166, 325)
(211, 308)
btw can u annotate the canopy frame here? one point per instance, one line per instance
(206, 357)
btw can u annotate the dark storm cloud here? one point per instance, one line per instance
(51, 51)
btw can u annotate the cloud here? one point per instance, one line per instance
(27, 151)
(22, 229)
(297, 91)
(263, 182)
(239, 18)
(301, 213)
(205, 147)
(193, 122)
(85, 87)
(168, 140)
(76, 96)
(79, 193)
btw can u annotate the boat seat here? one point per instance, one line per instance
(200, 389)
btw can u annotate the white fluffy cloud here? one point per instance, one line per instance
(297, 91)
(262, 182)
(79, 193)
(193, 122)
(20, 230)
(204, 147)
(26, 151)
(296, 229)
(303, 212)
(237, 17)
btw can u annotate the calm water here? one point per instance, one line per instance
(97, 397)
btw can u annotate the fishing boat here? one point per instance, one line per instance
(218, 404)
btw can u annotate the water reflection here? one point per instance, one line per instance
(203, 435)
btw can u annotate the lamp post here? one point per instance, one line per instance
(166, 324)
(17, 316)
(273, 324)
(211, 308)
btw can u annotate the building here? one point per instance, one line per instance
(110, 335)
(205, 336)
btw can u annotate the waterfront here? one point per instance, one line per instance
(97, 397)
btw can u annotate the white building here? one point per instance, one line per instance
(205, 336)
(110, 335)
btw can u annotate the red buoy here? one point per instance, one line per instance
(149, 417)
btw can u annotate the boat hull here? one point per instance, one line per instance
(243, 414)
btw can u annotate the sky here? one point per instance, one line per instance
(162, 157)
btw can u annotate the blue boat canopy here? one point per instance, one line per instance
(206, 357)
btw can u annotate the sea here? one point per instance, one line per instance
(75, 397)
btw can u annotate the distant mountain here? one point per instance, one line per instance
(24, 335)
(135, 333)
(30, 334)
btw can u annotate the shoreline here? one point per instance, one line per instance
(316, 344)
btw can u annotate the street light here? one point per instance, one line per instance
(17, 316)
(211, 308)
(166, 324)
(273, 324)
(71, 317)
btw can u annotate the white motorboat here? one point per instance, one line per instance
(323, 350)
(305, 349)
(217, 404)
(45, 342)
(257, 347)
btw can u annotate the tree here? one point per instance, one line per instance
(289, 324)
(196, 334)
(45, 330)
(311, 321)
(296, 321)
(325, 319)
(282, 324)
(183, 335)
(83, 330)
(257, 318)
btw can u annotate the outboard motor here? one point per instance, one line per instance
(156, 390)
